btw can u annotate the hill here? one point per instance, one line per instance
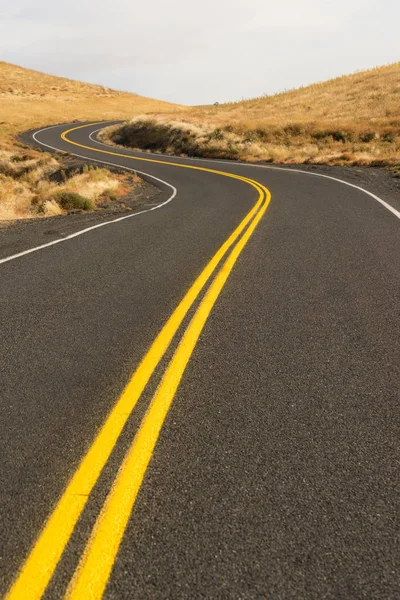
(30, 99)
(354, 119)
(34, 184)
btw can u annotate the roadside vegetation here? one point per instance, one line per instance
(33, 183)
(351, 120)
(36, 184)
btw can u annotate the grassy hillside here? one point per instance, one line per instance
(30, 99)
(36, 184)
(353, 119)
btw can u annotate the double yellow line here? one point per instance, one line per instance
(93, 571)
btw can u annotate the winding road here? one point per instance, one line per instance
(200, 399)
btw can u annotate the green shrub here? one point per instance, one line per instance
(294, 129)
(21, 158)
(388, 137)
(250, 137)
(217, 134)
(395, 170)
(262, 134)
(73, 201)
(336, 134)
(367, 136)
(319, 135)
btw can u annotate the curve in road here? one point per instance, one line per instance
(316, 329)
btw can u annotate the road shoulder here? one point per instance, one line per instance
(20, 235)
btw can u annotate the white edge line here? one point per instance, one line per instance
(83, 231)
(357, 187)
(228, 162)
(213, 161)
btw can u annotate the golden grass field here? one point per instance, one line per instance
(29, 99)
(350, 120)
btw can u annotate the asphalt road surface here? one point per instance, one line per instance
(255, 452)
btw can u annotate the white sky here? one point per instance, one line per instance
(200, 52)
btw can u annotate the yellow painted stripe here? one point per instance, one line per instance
(153, 160)
(92, 574)
(39, 566)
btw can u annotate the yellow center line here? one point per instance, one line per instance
(64, 137)
(41, 562)
(92, 574)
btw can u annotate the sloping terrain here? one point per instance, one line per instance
(37, 184)
(29, 99)
(354, 119)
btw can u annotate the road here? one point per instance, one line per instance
(252, 318)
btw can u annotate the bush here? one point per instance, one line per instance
(367, 137)
(108, 195)
(336, 134)
(73, 201)
(262, 134)
(395, 171)
(319, 135)
(388, 136)
(22, 158)
(250, 137)
(217, 134)
(294, 129)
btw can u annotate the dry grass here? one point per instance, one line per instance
(29, 99)
(350, 120)
(32, 184)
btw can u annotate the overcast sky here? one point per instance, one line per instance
(200, 52)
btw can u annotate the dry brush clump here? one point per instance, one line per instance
(351, 120)
(34, 184)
